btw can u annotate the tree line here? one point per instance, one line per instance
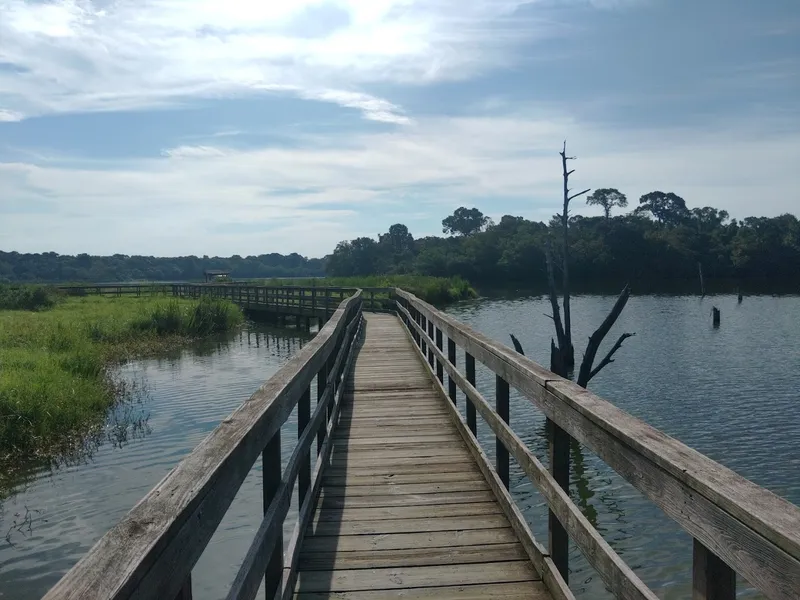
(49, 267)
(661, 239)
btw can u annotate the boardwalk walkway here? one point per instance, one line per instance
(404, 509)
(403, 501)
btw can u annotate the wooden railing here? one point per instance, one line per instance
(297, 300)
(737, 526)
(151, 552)
(117, 289)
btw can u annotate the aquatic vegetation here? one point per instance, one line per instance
(55, 364)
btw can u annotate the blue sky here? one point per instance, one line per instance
(174, 127)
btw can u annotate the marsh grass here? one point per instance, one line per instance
(28, 297)
(436, 290)
(55, 365)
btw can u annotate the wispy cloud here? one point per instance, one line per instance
(9, 116)
(79, 55)
(501, 164)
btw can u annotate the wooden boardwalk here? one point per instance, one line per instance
(404, 510)
(402, 500)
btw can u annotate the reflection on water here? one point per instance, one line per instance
(731, 393)
(168, 405)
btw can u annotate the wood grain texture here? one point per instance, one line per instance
(752, 530)
(403, 504)
(153, 549)
(530, 590)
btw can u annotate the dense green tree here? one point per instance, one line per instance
(607, 198)
(629, 247)
(666, 208)
(465, 221)
(50, 267)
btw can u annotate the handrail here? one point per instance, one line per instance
(151, 552)
(733, 521)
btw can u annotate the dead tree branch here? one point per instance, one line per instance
(587, 372)
(551, 284)
(608, 359)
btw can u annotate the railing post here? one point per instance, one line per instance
(451, 357)
(439, 365)
(430, 340)
(471, 421)
(185, 592)
(559, 467)
(303, 416)
(501, 400)
(372, 300)
(271, 465)
(712, 579)
(322, 383)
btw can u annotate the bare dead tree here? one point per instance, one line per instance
(566, 349)
(562, 353)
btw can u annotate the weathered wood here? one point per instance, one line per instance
(414, 577)
(409, 541)
(451, 357)
(422, 525)
(152, 550)
(406, 512)
(439, 366)
(767, 553)
(246, 583)
(471, 421)
(421, 476)
(406, 500)
(303, 416)
(712, 579)
(406, 489)
(558, 540)
(417, 557)
(621, 580)
(531, 590)
(271, 461)
(502, 404)
(532, 548)
(310, 501)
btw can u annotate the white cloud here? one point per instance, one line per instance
(9, 116)
(192, 199)
(80, 55)
(192, 152)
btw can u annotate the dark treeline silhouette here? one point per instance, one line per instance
(50, 267)
(660, 240)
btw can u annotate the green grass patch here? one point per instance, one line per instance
(436, 290)
(54, 364)
(28, 297)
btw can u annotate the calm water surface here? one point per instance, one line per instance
(732, 393)
(56, 517)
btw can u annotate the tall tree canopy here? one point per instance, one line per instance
(666, 208)
(465, 221)
(607, 198)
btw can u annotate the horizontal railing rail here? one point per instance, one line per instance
(151, 552)
(308, 298)
(737, 526)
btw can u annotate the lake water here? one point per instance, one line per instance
(731, 392)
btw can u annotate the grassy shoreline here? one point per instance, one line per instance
(436, 290)
(56, 363)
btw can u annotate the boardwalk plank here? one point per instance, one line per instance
(351, 580)
(532, 590)
(417, 557)
(404, 510)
